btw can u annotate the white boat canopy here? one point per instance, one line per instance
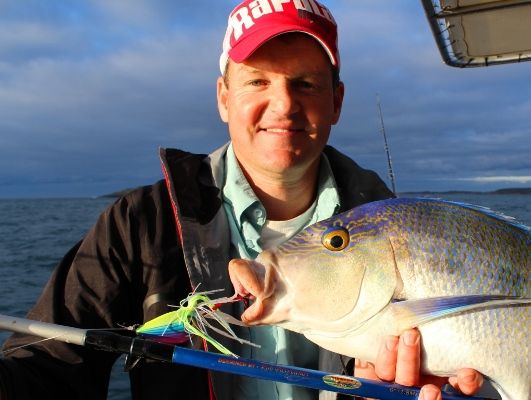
(474, 33)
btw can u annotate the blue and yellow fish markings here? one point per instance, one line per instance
(460, 273)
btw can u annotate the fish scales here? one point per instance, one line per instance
(470, 248)
(458, 272)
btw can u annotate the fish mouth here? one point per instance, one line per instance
(260, 282)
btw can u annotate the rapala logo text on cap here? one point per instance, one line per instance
(254, 22)
(245, 17)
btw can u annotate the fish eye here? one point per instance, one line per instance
(335, 238)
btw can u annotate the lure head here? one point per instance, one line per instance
(166, 328)
(330, 272)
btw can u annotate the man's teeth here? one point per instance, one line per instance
(279, 130)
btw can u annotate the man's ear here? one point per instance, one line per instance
(339, 94)
(222, 94)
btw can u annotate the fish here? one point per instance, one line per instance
(457, 272)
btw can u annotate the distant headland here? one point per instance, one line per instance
(119, 193)
(498, 191)
(123, 192)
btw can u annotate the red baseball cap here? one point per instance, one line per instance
(254, 22)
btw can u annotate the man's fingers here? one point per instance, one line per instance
(385, 367)
(468, 381)
(399, 358)
(408, 358)
(364, 369)
(430, 392)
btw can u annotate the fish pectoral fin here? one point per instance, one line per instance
(412, 313)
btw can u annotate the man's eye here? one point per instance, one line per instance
(257, 82)
(304, 84)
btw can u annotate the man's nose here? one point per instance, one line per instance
(284, 100)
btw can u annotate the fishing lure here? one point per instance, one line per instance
(192, 318)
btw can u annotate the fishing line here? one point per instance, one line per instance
(9, 351)
(12, 350)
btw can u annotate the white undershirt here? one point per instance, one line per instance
(280, 346)
(277, 232)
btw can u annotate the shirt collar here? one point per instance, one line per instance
(327, 193)
(236, 190)
(246, 213)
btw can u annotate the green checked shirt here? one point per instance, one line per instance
(251, 232)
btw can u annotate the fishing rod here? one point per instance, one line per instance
(387, 151)
(138, 347)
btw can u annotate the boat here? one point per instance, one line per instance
(480, 33)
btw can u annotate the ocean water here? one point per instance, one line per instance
(36, 233)
(34, 236)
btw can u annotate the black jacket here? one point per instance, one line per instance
(146, 251)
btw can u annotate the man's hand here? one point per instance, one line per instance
(399, 361)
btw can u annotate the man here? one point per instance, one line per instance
(279, 94)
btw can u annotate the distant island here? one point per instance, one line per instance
(513, 191)
(498, 191)
(117, 194)
(123, 192)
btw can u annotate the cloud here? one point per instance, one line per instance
(441, 122)
(101, 116)
(90, 90)
(164, 14)
(499, 179)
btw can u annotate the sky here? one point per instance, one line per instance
(90, 89)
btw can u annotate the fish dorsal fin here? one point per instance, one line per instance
(412, 313)
(482, 209)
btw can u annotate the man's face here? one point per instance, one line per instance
(280, 105)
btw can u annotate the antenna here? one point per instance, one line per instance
(387, 152)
